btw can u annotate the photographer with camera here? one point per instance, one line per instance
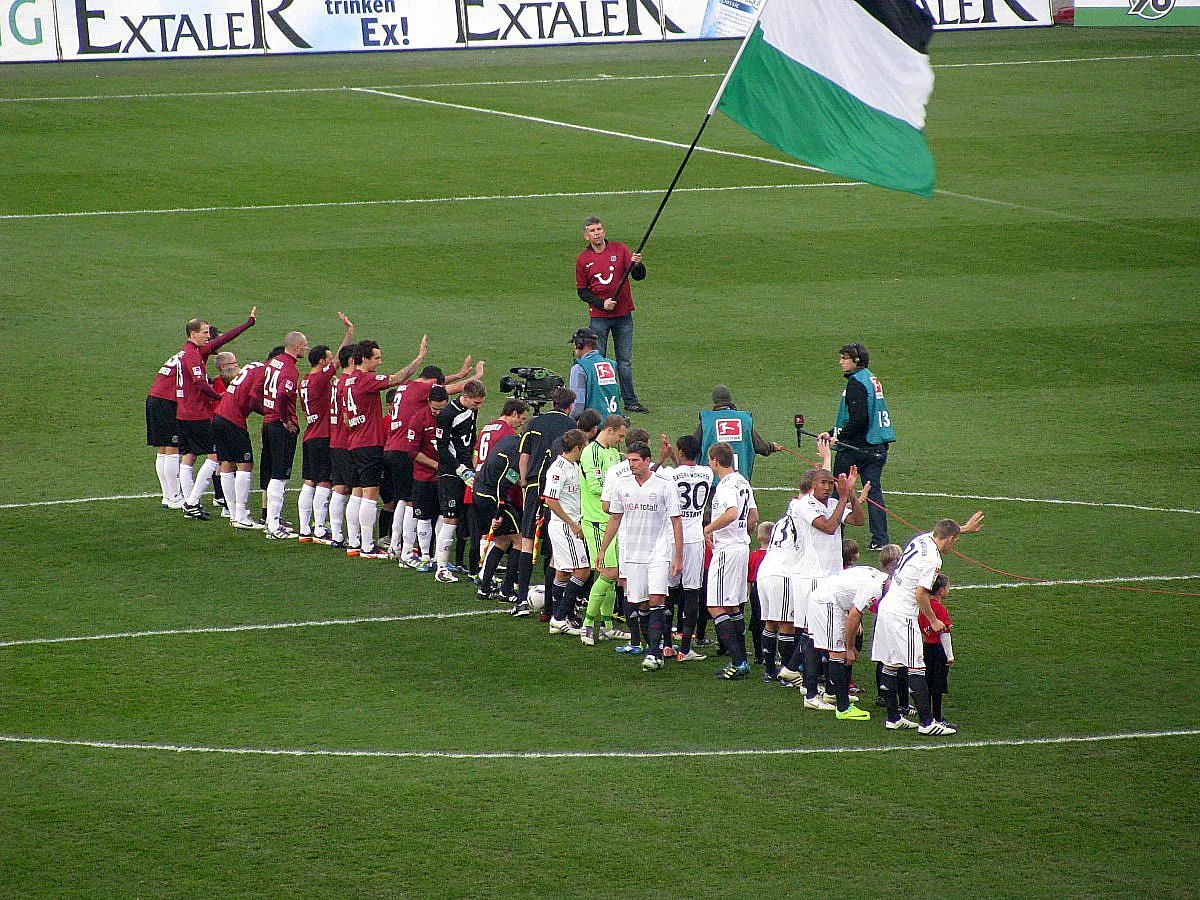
(593, 378)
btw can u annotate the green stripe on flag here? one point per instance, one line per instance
(809, 117)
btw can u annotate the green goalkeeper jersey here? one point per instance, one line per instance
(596, 460)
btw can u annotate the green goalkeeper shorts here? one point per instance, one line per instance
(593, 535)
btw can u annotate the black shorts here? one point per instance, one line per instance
(316, 466)
(279, 452)
(425, 500)
(531, 510)
(161, 428)
(484, 510)
(450, 495)
(341, 466)
(400, 474)
(233, 441)
(937, 672)
(196, 437)
(368, 467)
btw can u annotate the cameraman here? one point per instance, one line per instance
(593, 378)
(863, 421)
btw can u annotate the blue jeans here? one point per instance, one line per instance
(870, 468)
(621, 329)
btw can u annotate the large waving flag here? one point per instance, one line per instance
(842, 85)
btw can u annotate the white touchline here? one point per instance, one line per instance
(417, 617)
(272, 626)
(605, 754)
(1092, 503)
(559, 124)
(149, 95)
(406, 201)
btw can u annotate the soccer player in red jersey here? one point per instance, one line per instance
(360, 399)
(599, 269)
(234, 451)
(315, 390)
(410, 397)
(193, 412)
(280, 427)
(341, 465)
(162, 428)
(420, 443)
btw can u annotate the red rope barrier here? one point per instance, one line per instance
(975, 562)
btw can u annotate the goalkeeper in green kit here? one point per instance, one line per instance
(598, 457)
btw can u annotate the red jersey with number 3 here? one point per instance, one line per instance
(409, 398)
(363, 409)
(315, 390)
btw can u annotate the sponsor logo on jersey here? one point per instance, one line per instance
(729, 429)
(605, 373)
(878, 388)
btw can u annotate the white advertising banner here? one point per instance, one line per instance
(100, 29)
(27, 31)
(107, 29)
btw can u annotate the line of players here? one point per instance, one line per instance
(640, 527)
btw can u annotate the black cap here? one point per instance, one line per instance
(584, 336)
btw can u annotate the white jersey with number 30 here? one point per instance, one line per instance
(694, 484)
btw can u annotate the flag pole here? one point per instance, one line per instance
(712, 108)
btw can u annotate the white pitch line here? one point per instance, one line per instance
(538, 81)
(590, 130)
(605, 754)
(1090, 503)
(272, 626)
(416, 617)
(1093, 503)
(406, 201)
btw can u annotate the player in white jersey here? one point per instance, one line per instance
(789, 552)
(645, 508)
(734, 516)
(694, 483)
(568, 551)
(821, 520)
(898, 642)
(852, 590)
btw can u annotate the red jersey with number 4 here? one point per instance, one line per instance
(244, 394)
(601, 272)
(279, 390)
(361, 406)
(315, 390)
(927, 632)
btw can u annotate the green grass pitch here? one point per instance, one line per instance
(1035, 326)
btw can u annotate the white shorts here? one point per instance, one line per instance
(642, 580)
(727, 576)
(567, 550)
(775, 597)
(692, 576)
(827, 625)
(802, 589)
(898, 642)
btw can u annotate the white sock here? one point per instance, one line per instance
(398, 518)
(306, 507)
(425, 536)
(410, 533)
(337, 515)
(275, 492)
(171, 488)
(242, 482)
(445, 541)
(368, 511)
(160, 470)
(229, 488)
(353, 538)
(320, 507)
(202, 482)
(186, 479)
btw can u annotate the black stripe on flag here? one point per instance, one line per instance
(908, 20)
